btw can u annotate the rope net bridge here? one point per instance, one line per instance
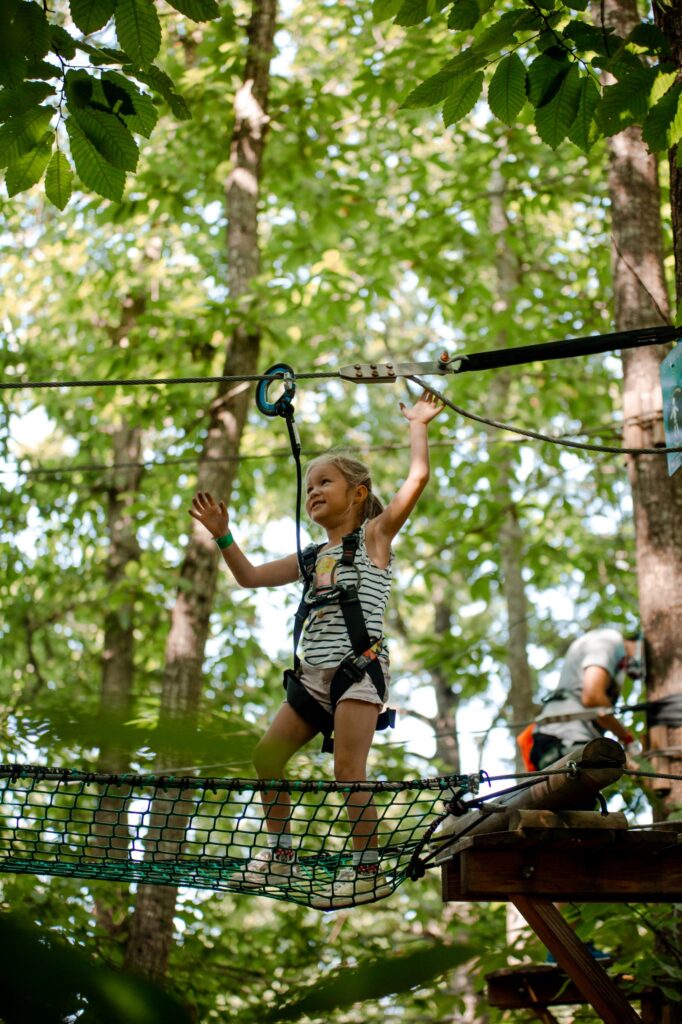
(209, 832)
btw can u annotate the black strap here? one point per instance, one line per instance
(309, 709)
(354, 666)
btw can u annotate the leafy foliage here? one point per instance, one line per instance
(72, 983)
(376, 241)
(555, 60)
(92, 115)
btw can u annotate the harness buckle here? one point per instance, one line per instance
(354, 666)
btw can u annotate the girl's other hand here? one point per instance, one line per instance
(424, 409)
(210, 513)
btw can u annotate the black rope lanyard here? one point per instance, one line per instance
(284, 406)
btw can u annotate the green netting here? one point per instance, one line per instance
(209, 833)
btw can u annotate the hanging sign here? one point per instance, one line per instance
(671, 386)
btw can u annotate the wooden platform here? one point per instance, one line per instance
(537, 987)
(585, 864)
(542, 843)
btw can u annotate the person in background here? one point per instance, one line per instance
(591, 676)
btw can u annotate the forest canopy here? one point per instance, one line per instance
(357, 183)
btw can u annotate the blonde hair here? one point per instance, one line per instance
(356, 474)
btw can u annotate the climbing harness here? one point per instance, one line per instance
(364, 658)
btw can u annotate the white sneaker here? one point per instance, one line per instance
(265, 869)
(350, 888)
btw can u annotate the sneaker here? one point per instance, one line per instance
(351, 887)
(269, 867)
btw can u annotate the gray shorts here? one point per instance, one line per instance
(317, 682)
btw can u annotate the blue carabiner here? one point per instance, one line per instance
(280, 372)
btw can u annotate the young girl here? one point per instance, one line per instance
(339, 499)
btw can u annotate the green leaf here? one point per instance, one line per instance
(412, 12)
(554, 119)
(370, 979)
(500, 34)
(103, 54)
(662, 82)
(592, 38)
(59, 180)
(545, 76)
(144, 114)
(34, 29)
(29, 168)
(16, 101)
(626, 102)
(92, 15)
(94, 171)
(507, 90)
(24, 39)
(108, 135)
(434, 90)
(67, 974)
(160, 82)
(23, 133)
(62, 43)
(138, 30)
(463, 97)
(438, 86)
(382, 10)
(464, 14)
(43, 69)
(468, 60)
(584, 130)
(662, 126)
(197, 10)
(650, 38)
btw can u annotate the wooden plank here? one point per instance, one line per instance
(528, 985)
(651, 841)
(611, 875)
(594, 983)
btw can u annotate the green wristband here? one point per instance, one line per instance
(224, 542)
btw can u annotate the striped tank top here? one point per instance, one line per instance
(325, 641)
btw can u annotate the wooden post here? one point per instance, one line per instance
(585, 972)
(552, 792)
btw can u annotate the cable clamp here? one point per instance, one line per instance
(382, 373)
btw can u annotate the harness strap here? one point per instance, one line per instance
(362, 661)
(309, 709)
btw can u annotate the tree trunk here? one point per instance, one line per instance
(445, 725)
(152, 922)
(641, 300)
(111, 823)
(510, 535)
(118, 654)
(668, 17)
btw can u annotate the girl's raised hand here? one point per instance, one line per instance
(424, 409)
(210, 513)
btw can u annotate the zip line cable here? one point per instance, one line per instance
(370, 373)
(390, 372)
(549, 438)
